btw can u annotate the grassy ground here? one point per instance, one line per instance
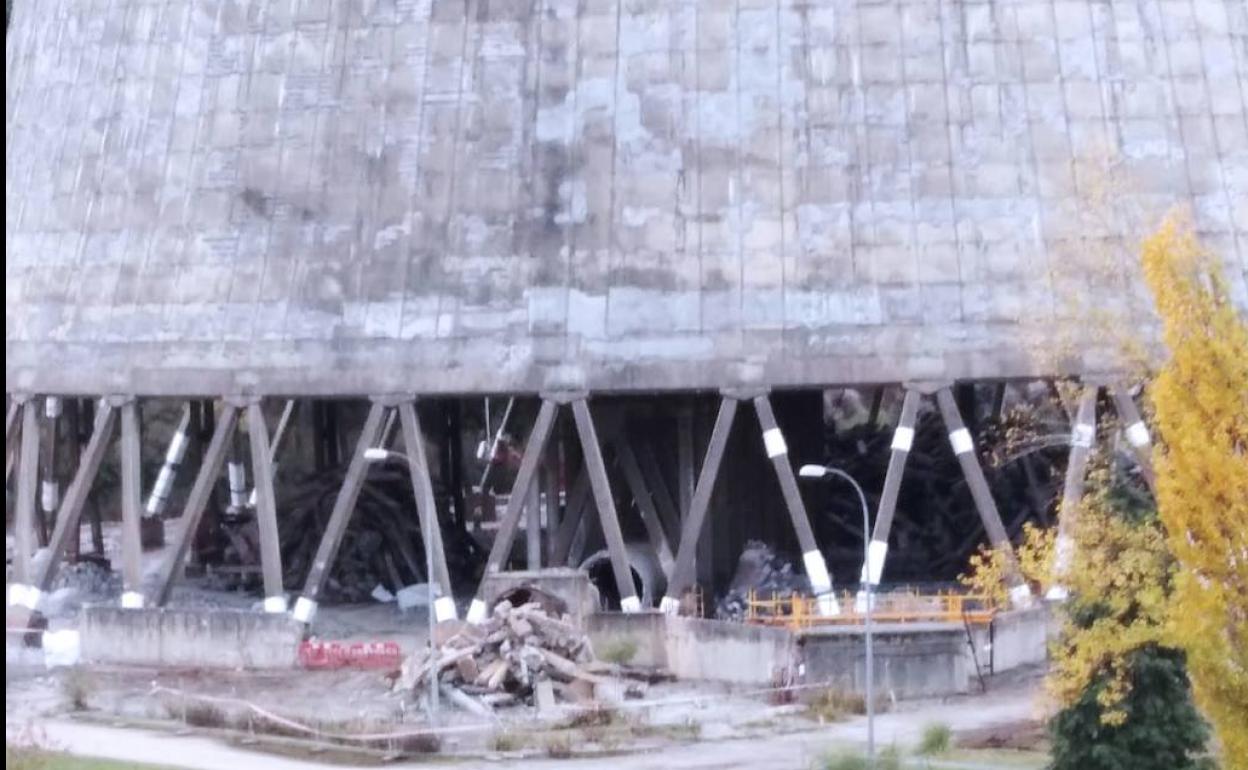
(35, 759)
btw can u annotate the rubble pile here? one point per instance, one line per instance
(520, 655)
(759, 570)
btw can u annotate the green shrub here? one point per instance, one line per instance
(936, 739)
(1162, 729)
(887, 759)
(834, 705)
(620, 651)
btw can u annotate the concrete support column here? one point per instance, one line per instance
(76, 496)
(646, 507)
(903, 439)
(515, 502)
(50, 484)
(131, 506)
(266, 508)
(964, 447)
(175, 453)
(1082, 439)
(22, 591)
(427, 508)
(691, 527)
(197, 501)
(1137, 434)
(607, 517)
(812, 558)
(340, 517)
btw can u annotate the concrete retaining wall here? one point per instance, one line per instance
(910, 662)
(1018, 638)
(693, 648)
(199, 638)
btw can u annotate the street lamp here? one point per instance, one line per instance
(381, 455)
(823, 471)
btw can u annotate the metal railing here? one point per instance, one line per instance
(796, 612)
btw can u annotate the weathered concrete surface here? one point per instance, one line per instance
(693, 648)
(195, 638)
(1017, 638)
(911, 660)
(335, 197)
(571, 586)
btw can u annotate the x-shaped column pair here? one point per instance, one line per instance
(526, 477)
(778, 452)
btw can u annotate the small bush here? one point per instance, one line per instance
(834, 705)
(936, 739)
(620, 651)
(204, 715)
(888, 759)
(596, 716)
(76, 686)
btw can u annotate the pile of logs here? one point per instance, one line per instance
(519, 655)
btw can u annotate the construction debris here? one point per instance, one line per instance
(512, 658)
(761, 571)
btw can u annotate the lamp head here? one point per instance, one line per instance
(812, 471)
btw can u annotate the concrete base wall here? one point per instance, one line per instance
(909, 662)
(570, 586)
(693, 648)
(199, 638)
(1017, 638)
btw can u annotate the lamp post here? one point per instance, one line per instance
(823, 471)
(380, 454)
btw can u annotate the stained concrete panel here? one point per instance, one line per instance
(407, 195)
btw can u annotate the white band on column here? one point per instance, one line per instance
(876, 552)
(275, 605)
(669, 605)
(630, 604)
(817, 572)
(177, 448)
(961, 441)
(132, 600)
(773, 440)
(903, 439)
(444, 609)
(49, 495)
(1020, 596)
(238, 483)
(1137, 435)
(1063, 553)
(476, 612)
(21, 595)
(305, 610)
(160, 491)
(827, 606)
(1057, 593)
(1083, 435)
(52, 407)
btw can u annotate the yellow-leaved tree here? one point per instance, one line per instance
(1200, 400)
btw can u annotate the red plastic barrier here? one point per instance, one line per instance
(315, 653)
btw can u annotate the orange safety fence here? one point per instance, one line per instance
(794, 611)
